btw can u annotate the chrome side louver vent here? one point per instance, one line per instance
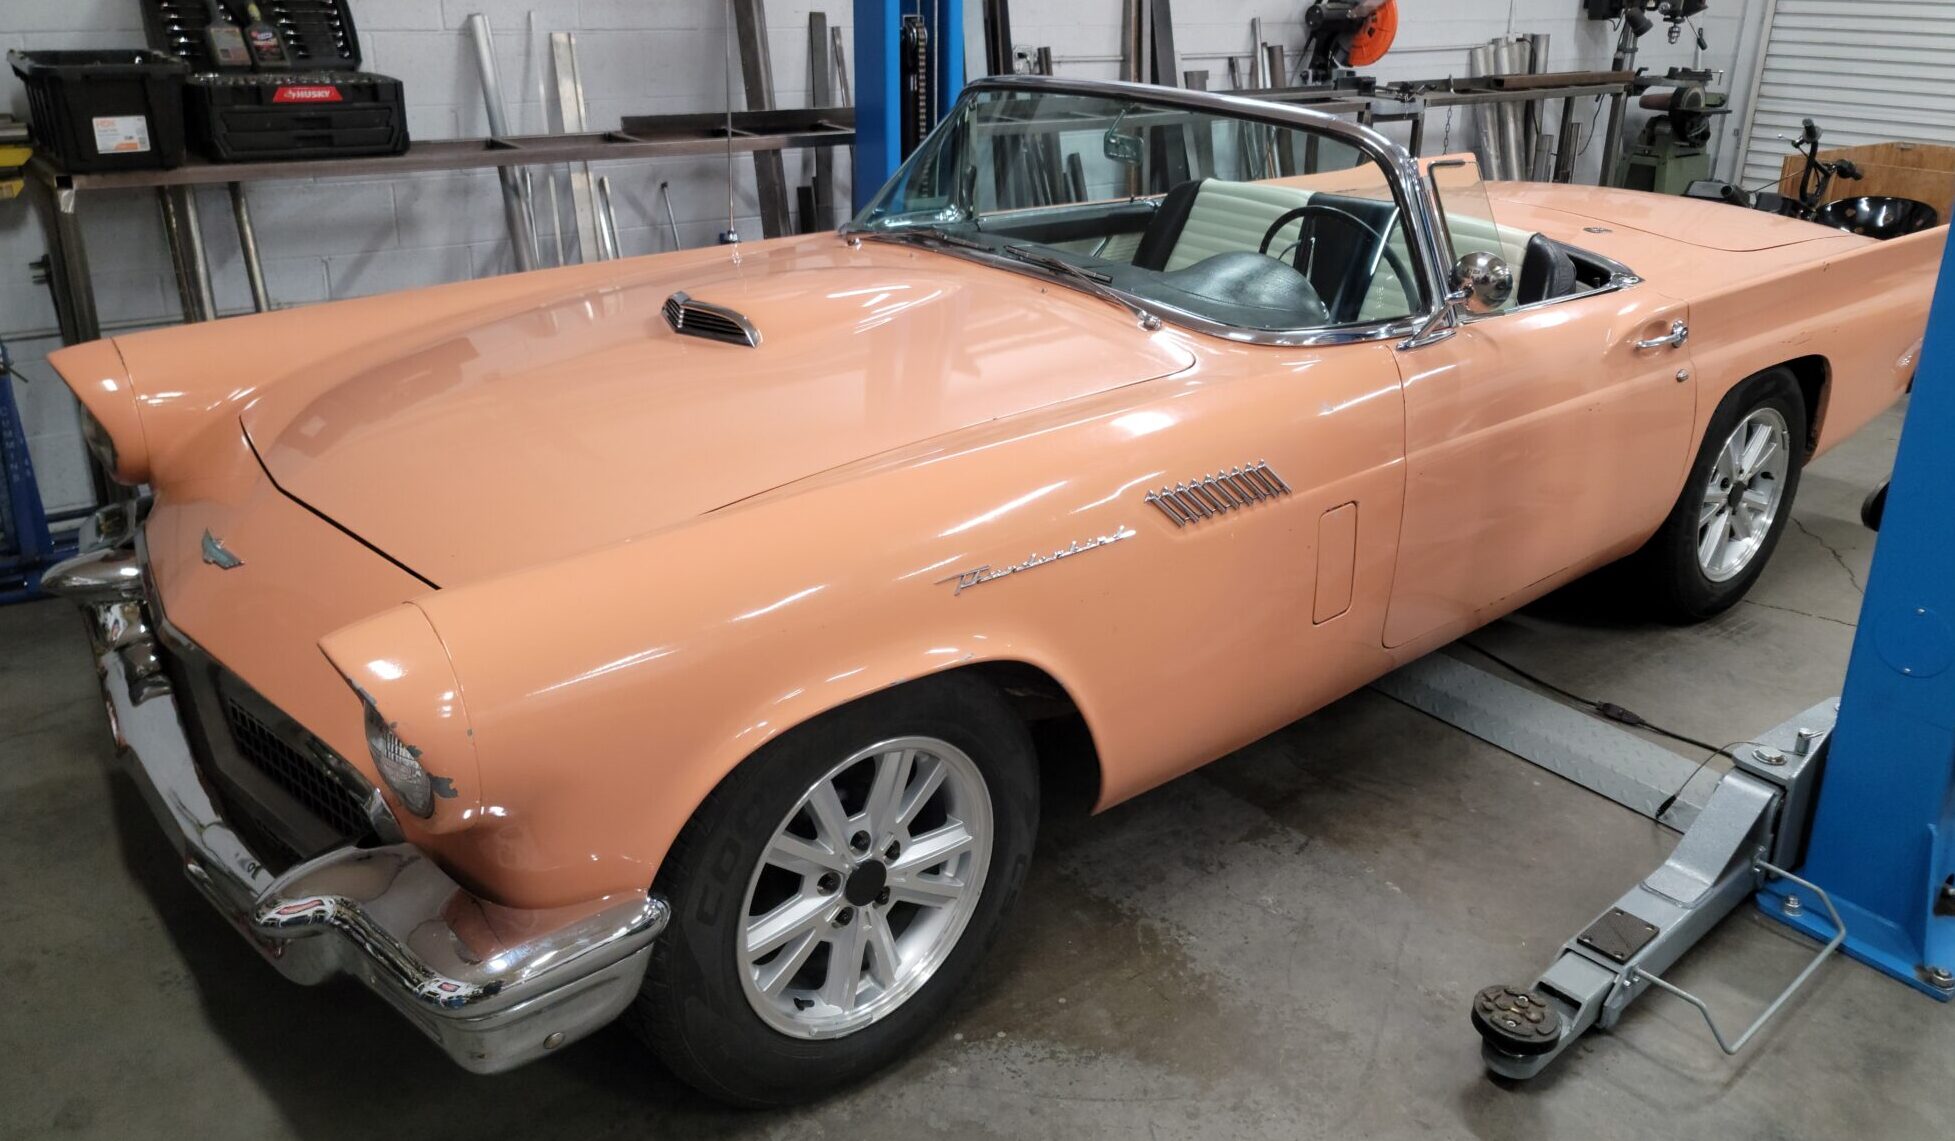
(1213, 495)
(713, 322)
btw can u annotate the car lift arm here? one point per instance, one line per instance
(1752, 827)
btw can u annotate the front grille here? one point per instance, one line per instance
(302, 777)
(261, 836)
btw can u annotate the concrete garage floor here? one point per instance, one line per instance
(1283, 944)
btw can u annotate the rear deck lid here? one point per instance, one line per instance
(1693, 221)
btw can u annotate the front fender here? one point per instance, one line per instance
(611, 692)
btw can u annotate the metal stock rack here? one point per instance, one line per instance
(59, 195)
(1409, 102)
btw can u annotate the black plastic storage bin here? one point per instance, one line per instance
(95, 111)
(324, 107)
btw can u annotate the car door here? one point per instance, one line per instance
(1540, 439)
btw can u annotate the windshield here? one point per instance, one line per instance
(1195, 213)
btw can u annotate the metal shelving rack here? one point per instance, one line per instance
(60, 195)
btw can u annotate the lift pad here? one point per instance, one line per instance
(1617, 936)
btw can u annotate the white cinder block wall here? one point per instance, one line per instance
(346, 238)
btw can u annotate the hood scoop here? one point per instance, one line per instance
(694, 318)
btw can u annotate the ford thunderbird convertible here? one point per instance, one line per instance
(662, 639)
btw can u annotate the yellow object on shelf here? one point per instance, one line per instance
(12, 158)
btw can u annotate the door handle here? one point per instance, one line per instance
(1679, 334)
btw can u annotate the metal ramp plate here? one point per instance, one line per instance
(1599, 755)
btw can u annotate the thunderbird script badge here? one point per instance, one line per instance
(978, 576)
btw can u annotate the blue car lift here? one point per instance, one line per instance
(27, 547)
(1882, 841)
(1839, 822)
(909, 70)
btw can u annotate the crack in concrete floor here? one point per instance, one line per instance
(1851, 575)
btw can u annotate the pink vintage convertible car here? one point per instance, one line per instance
(659, 638)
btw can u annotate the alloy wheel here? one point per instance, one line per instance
(865, 887)
(1743, 495)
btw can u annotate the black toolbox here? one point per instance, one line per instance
(97, 111)
(323, 107)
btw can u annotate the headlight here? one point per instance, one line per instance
(100, 444)
(412, 714)
(111, 422)
(399, 764)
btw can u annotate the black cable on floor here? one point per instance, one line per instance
(1542, 682)
(1672, 799)
(1607, 709)
(1621, 716)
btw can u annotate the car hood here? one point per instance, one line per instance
(585, 419)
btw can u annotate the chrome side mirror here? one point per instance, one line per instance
(1482, 282)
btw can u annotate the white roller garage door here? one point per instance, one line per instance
(1867, 71)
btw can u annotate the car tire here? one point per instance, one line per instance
(1688, 574)
(704, 1007)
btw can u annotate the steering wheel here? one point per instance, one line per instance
(1406, 281)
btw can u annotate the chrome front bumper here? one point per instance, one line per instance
(385, 915)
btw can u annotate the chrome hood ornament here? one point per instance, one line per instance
(217, 555)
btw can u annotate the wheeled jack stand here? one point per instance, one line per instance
(1753, 827)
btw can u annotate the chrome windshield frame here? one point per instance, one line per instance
(1400, 167)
